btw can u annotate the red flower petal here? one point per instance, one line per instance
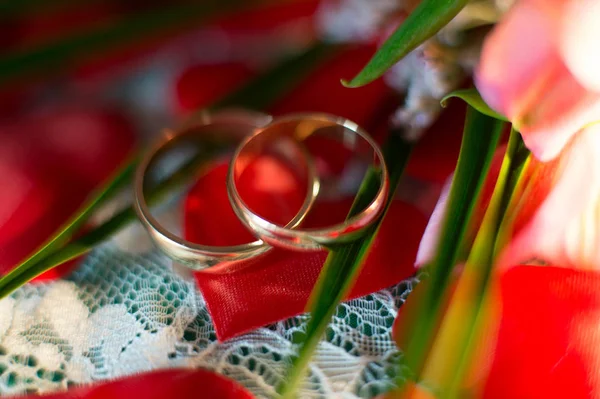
(159, 385)
(546, 343)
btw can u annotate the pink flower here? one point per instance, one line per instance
(557, 218)
(541, 68)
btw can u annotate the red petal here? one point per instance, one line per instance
(547, 344)
(159, 385)
(82, 143)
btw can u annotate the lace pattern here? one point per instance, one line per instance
(124, 313)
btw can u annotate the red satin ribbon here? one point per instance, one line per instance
(544, 340)
(549, 339)
(245, 295)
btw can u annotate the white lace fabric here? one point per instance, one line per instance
(122, 313)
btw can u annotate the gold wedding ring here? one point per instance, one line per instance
(298, 128)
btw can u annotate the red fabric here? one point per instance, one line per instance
(207, 225)
(549, 338)
(179, 384)
(245, 295)
(49, 163)
(546, 343)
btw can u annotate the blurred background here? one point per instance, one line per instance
(85, 84)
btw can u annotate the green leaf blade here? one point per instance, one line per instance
(478, 268)
(344, 262)
(473, 98)
(480, 140)
(65, 233)
(424, 22)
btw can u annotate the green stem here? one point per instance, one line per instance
(449, 357)
(480, 139)
(343, 263)
(483, 255)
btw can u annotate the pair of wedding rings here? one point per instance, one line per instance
(250, 135)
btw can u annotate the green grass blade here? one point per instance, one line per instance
(343, 263)
(424, 22)
(480, 139)
(519, 157)
(66, 232)
(473, 98)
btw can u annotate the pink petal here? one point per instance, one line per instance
(579, 41)
(516, 58)
(565, 107)
(565, 230)
(430, 239)
(522, 73)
